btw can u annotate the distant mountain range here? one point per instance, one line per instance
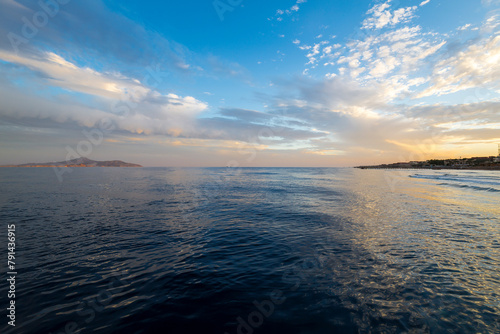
(80, 162)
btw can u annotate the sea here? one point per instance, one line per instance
(251, 250)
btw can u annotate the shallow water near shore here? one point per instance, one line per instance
(253, 250)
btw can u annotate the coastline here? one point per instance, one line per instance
(431, 168)
(474, 163)
(66, 166)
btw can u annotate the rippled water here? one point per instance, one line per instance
(257, 250)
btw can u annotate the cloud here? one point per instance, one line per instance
(353, 135)
(244, 131)
(113, 40)
(359, 105)
(425, 2)
(340, 94)
(393, 55)
(59, 72)
(245, 114)
(476, 66)
(293, 9)
(381, 16)
(128, 102)
(389, 61)
(221, 67)
(490, 2)
(314, 51)
(473, 115)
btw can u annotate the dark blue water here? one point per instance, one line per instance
(259, 250)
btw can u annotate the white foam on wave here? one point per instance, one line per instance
(474, 181)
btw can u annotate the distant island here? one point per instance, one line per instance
(481, 163)
(80, 162)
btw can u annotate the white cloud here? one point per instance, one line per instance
(381, 16)
(383, 67)
(402, 15)
(464, 27)
(315, 50)
(490, 2)
(357, 107)
(425, 2)
(149, 110)
(477, 66)
(397, 52)
(390, 60)
(294, 9)
(376, 73)
(327, 50)
(66, 75)
(492, 23)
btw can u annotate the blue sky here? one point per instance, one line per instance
(249, 83)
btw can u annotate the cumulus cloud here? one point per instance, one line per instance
(295, 8)
(314, 51)
(389, 61)
(359, 102)
(381, 16)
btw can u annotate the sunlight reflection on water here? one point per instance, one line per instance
(194, 248)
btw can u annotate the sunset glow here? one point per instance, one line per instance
(283, 83)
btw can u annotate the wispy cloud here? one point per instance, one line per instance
(475, 66)
(113, 38)
(280, 13)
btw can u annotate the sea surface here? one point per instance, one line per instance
(252, 250)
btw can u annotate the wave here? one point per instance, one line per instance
(469, 186)
(477, 182)
(492, 180)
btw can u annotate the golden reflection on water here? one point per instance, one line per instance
(389, 248)
(448, 235)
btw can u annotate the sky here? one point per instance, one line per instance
(249, 83)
